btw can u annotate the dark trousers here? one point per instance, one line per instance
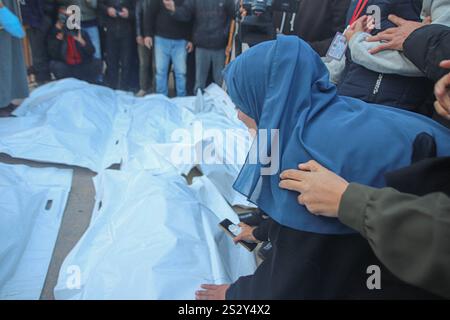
(38, 43)
(118, 59)
(304, 265)
(88, 71)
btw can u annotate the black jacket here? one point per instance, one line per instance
(57, 49)
(139, 16)
(211, 21)
(316, 22)
(118, 25)
(159, 21)
(409, 93)
(427, 47)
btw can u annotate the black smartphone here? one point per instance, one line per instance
(233, 230)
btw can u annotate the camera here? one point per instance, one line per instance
(259, 7)
(257, 26)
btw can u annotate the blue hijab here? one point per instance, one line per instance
(283, 84)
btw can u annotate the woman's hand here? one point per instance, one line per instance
(246, 234)
(363, 24)
(394, 38)
(320, 189)
(212, 292)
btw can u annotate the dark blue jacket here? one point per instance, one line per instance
(33, 11)
(409, 93)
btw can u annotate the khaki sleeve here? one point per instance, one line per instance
(409, 234)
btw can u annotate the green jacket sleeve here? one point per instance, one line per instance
(409, 234)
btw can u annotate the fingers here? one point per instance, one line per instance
(382, 36)
(441, 111)
(238, 238)
(209, 286)
(442, 86)
(445, 64)
(427, 20)
(293, 174)
(311, 165)
(381, 47)
(292, 185)
(396, 20)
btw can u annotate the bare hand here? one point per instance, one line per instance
(124, 13)
(246, 234)
(169, 4)
(212, 292)
(360, 25)
(60, 36)
(320, 189)
(190, 47)
(148, 42)
(442, 93)
(140, 40)
(394, 38)
(80, 39)
(112, 12)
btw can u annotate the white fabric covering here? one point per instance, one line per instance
(29, 225)
(69, 122)
(152, 237)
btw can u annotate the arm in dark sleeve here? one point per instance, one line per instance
(151, 9)
(54, 45)
(261, 232)
(185, 11)
(339, 10)
(103, 6)
(409, 234)
(131, 7)
(88, 50)
(138, 17)
(427, 47)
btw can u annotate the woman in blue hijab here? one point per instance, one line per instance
(283, 85)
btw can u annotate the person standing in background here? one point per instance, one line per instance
(13, 75)
(316, 22)
(37, 15)
(89, 22)
(145, 54)
(119, 18)
(171, 41)
(210, 34)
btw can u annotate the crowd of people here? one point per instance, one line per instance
(399, 57)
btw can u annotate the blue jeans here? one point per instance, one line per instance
(167, 50)
(95, 39)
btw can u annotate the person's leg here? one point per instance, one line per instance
(179, 56)
(60, 70)
(112, 60)
(162, 60)
(94, 35)
(218, 63)
(88, 71)
(202, 64)
(144, 68)
(125, 44)
(38, 43)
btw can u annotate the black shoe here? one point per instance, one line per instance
(7, 111)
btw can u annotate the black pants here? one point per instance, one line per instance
(88, 71)
(38, 43)
(118, 59)
(305, 265)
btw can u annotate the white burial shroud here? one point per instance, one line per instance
(152, 237)
(32, 203)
